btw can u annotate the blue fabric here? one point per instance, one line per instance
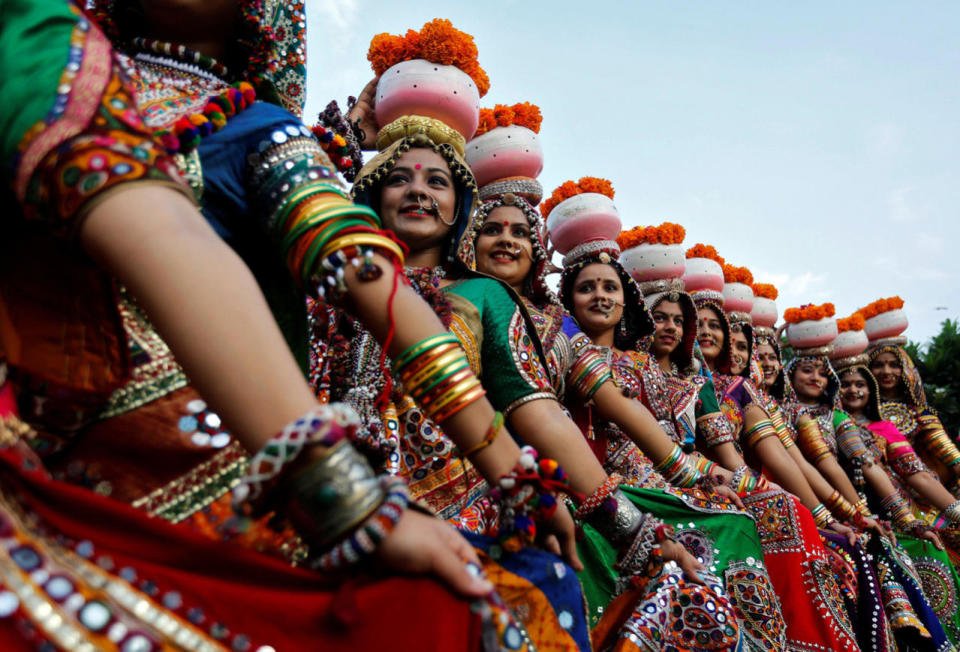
(555, 579)
(926, 614)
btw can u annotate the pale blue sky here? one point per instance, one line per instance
(816, 143)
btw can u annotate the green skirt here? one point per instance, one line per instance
(725, 541)
(941, 585)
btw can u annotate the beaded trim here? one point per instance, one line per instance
(200, 60)
(529, 189)
(590, 249)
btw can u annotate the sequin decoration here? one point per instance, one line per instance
(938, 587)
(525, 356)
(757, 605)
(776, 518)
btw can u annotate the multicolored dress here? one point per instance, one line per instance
(110, 537)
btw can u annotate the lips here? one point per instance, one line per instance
(707, 341)
(414, 210)
(503, 256)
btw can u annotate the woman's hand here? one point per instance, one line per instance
(933, 537)
(674, 551)
(729, 494)
(840, 528)
(560, 537)
(364, 111)
(880, 529)
(421, 544)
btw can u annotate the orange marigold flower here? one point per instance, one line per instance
(705, 251)
(437, 41)
(854, 322)
(734, 274)
(504, 115)
(487, 122)
(765, 290)
(568, 189)
(809, 312)
(667, 233)
(527, 115)
(880, 306)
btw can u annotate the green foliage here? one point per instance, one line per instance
(939, 364)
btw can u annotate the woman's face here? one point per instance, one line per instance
(809, 380)
(710, 334)
(668, 328)
(741, 352)
(769, 362)
(504, 246)
(854, 391)
(417, 197)
(597, 299)
(886, 369)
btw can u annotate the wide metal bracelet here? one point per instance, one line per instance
(617, 528)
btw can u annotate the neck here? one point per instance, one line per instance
(855, 413)
(890, 394)
(664, 362)
(604, 338)
(429, 257)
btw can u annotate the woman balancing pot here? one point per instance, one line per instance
(903, 401)
(767, 444)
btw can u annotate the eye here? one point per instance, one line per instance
(491, 228)
(397, 178)
(439, 180)
(522, 233)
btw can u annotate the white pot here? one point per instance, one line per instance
(849, 344)
(703, 274)
(737, 297)
(886, 324)
(581, 218)
(653, 262)
(502, 152)
(811, 334)
(420, 87)
(764, 312)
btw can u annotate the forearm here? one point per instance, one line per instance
(880, 482)
(777, 462)
(635, 420)
(820, 485)
(726, 455)
(205, 303)
(930, 489)
(543, 425)
(831, 470)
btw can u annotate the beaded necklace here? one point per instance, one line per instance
(183, 54)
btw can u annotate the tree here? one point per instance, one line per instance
(939, 364)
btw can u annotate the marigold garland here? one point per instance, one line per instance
(667, 233)
(734, 274)
(765, 290)
(809, 312)
(568, 189)
(854, 322)
(880, 306)
(437, 41)
(523, 114)
(705, 251)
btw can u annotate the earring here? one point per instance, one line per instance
(623, 325)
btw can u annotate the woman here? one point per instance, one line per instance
(904, 403)
(859, 393)
(425, 193)
(506, 235)
(752, 430)
(813, 388)
(89, 571)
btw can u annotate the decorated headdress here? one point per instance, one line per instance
(652, 255)
(738, 294)
(811, 331)
(763, 335)
(703, 279)
(884, 324)
(505, 153)
(850, 344)
(433, 72)
(583, 223)
(764, 313)
(397, 138)
(273, 33)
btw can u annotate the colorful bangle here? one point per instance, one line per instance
(594, 501)
(898, 510)
(952, 512)
(365, 538)
(760, 431)
(526, 496)
(492, 433)
(635, 559)
(811, 441)
(437, 374)
(850, 443)
(841, 508)
(822, 517)
(589, 372)
(323, 425)
(783, 432)
(934, 437)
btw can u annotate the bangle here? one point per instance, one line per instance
(640, 552)
(841, 508)
(492, 433)
(324, 425)
(438, 376)
(822, 517)
(936, 439)
(677, 469)
(783, 432)
(366, 537)
(589, 372)
(760, 431)
(811, 441)
(593, 502)
(952, 512)
(617, 520)
(898, 509)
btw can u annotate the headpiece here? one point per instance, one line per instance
(911, 383)
(872, 409)
(811, 329)
(703, 279)
(850, 344)
(763, 335)
(506, 149)
(433, 72)
(831, 395)
(273, 31)
(764, 313)
(885, 321)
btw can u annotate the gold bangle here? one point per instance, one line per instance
(372, 239)
(466, 399)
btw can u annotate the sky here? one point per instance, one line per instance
(816, 143)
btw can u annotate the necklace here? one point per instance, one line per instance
(183, 54)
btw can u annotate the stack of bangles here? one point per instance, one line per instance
(438, 376)
(822, 516)
(783, 432)
(850, 444)
(952, 512)
(937, 441)
(745, 480)
(811, 441)
(760, 431)
(678, 470)
(335, 501)
(589, 372)
(898, 509)
(844, 511)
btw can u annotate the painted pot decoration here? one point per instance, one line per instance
(849, 344)
(764, 312)
(737, 297)
(703, 274)
(810, 334)
(581, 218)
(420, 87)
(653, 262)
(511, 151)
(887, 324)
